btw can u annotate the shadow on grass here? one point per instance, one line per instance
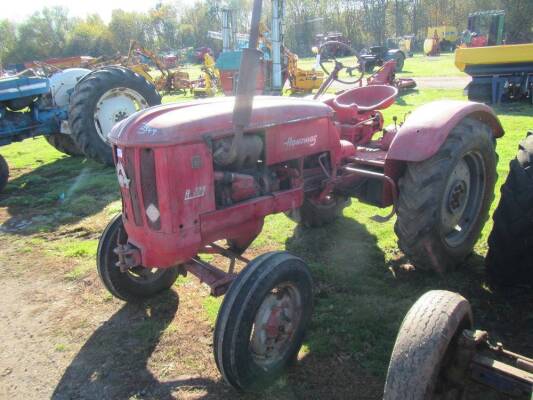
(113, 362)
(60, 192)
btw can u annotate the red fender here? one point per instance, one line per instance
(427, 128)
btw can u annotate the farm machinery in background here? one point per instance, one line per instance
(74, 109)
(500, 72)
(199, 178)
(170, 80)
(278, 64)
(377, 56)
(439, 39)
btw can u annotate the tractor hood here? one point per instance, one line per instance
(179, 123)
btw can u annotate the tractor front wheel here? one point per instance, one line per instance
(100, 100)
(425, 346)
(313, 214)
(4, 173)
(262, 321)
(135, 284)
(444, 201)
(64, 144)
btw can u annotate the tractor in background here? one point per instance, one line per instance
(377, 56)
(198, 178)
(500, 72)
(74, 109)
(439, 39)
(208, 83)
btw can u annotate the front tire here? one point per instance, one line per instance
(262, 321)
(64, 143)
(425, 346)
(4, 173)
(135, 284)
(444, 201)
(100, 100)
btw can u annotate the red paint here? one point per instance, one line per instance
(305, 144)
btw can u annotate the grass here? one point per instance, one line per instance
(360, 294)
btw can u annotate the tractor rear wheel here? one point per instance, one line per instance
(100, 100)
(444, 201)
(425, 346)
(4, 173)
(64, 144)
(135, 284)
(508, 260)
(400, 61)
(262, 320)
(313, 214)
(480, 92)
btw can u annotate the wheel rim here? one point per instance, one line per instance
(463, 198)
(275, 324)
(115, 105)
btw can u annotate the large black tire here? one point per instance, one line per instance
(84, 102)
(64, 144)
(434, 201)
(480, 92)
(424, 347)
(313, 215)
(400, 61)
(134, 285)
(4, 173)
(509, 259)
(239, 354)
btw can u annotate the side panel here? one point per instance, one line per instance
(427, 128)
(297, 140)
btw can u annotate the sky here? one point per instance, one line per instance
(79, 8)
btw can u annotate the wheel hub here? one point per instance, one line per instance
(274, 326)
(457, 196)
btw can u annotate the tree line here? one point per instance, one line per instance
(167, 27)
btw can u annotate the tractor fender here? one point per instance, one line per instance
(427, 128)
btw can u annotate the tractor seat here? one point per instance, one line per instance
(362, 99)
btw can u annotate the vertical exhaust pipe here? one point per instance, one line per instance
(242, 111)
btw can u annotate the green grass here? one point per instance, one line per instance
(359, 300)
(416, 67)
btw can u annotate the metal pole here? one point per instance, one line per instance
(276, 45)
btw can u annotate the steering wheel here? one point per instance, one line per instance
(329, 52)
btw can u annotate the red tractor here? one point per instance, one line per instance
(195, 174)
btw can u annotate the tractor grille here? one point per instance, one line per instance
(129, 168)
(149, 189)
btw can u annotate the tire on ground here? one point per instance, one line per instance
(423, 346)
(133, 285)
(426, 190)
(313, 215)
(480, 92)
(84, 101)
(508, 260)
(64, 144)
(237, 331)
(4, 173)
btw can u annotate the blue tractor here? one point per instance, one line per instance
(74, 109)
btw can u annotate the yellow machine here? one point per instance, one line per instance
(499, 73)
(208, 83)
(170, 80)
(493, 55)
(302, 81)
(440, 38)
